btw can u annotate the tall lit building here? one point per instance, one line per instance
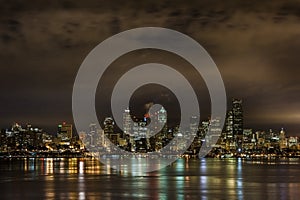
(203, 129)
(234, 126)
(65, 131)
(127, 122)
(237, 127)
(109, 131)
(229, 126)
(108, 126)
(237, 112)
(194, 124)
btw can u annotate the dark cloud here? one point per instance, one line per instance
(254, 43)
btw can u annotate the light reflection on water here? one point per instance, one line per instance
(78, 178)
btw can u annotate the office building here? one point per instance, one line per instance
(64, 131)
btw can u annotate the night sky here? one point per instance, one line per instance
(255, 44)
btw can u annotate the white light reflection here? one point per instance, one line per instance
(81, 195)
(239, 185)
(203, 176)
(180, 187)
(81, 180)
(81, 167)
(180, 178)
(180, 165)
(203, 165)
(203, 181)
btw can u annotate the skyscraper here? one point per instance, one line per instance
(229, 126)
(65, 131)
(108, 126)
(127, 125)
(194, 125)
(109, 131)
(237, 126)
(234, 126)
(237, 112)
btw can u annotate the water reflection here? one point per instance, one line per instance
(62, 178)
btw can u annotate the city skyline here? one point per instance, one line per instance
(234, 122)
(142, 113)
(151, 135)
(255, 47)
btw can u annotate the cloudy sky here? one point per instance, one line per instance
(255, 45)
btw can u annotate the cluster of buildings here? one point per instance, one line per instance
(238, 140)
(34, 141)
(235, 140)
(138, 136)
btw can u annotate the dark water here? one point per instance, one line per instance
(184, 179)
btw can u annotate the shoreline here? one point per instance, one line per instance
(186, 156)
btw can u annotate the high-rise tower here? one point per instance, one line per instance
(127, 122)
(237, 126)
(237, 112)
(108, 126)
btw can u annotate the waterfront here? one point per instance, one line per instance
(85, 178)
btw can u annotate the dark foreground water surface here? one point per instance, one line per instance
(61, 178)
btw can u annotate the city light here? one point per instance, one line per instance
(235, 140)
